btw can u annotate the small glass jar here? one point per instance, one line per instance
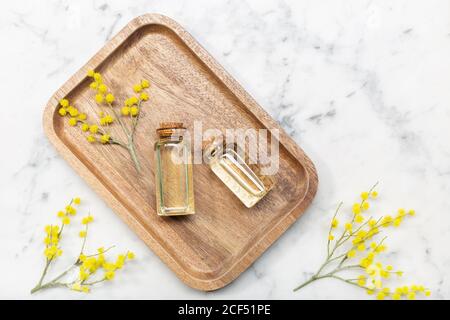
(225, 161)
(174, 180)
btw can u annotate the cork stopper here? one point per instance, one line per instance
(166, 129)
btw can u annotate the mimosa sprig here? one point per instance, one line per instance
(108, 115)
(88, 265)
(353, 242)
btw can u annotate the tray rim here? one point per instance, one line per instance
(251, 105)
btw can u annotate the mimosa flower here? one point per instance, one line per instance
(87, 220)
(137, 88)
(348, 227)
(133, 100)
(109, 119)
(105, 138)
(386, 221)
(134, 111)
(125, 111)
(64, 103)
(120, 261)
(72, 111)
(356, 209)
(397, 222)
(93, 129)
(351, 254)
(99, 98)
(144, 96)
(365, 205)
(102, 88)
(381, 295)
(97, 77)
(334, 223)
(145, 84)
(73, 122)
(71, 210)
(396, 296)
(109, 275)
(110, 98)
(362, 280)
(411, 296)
(62, 111)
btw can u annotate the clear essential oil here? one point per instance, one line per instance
(174, 180)
(231, 168)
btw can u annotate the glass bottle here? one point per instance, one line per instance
(225, 161)
(174, 180)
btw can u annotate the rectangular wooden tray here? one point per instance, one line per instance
(210, 249)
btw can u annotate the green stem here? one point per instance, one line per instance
(94, 282)
(53, 283)
(113, 141)
(331, 227)
(96, 254)
(124, 128)
(136, 120)
(47, 264)
(132, 150)
(100, 132)
(84, 242)
(48, 285)
(348, 281)
(313, 278)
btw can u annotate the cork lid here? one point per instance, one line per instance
(166, 129)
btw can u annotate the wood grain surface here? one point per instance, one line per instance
(211, 248)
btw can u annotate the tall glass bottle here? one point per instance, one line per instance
(174, 180)
(225, 161)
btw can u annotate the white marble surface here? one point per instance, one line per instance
(362, 86)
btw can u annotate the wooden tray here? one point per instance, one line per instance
(211, 248)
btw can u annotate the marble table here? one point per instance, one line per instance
(362, 87)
